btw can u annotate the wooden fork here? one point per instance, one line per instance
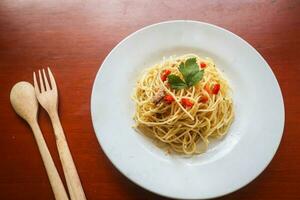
(48, 98)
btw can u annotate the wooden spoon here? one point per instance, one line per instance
(24, 102)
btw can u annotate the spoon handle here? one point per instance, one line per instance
(55, 181)
(72, 178)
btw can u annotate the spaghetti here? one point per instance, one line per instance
(183, 117)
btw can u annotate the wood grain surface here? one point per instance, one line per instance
(73, 37)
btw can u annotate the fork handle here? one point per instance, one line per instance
(55, 181)
(71, 175)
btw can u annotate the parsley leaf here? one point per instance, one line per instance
(190, 72)
(176, 82)
(189, 68)
(192, 79)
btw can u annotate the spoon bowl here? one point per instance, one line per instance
(24, 102)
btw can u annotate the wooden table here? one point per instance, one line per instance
(74, 38)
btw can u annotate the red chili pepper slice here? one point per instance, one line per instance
(216, 88)
(168, 99)
(203, 99)
(202, 65)
(187, 103)
(165, 75)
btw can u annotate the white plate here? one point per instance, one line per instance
(228, 164)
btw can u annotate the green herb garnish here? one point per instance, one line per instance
(190, 72)
(176, 82)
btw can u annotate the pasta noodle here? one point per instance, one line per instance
(188, 118)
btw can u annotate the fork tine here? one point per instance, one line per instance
(52, 80)
(41, 82)
(36, 86)
(46, 81)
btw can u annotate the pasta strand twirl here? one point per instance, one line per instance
(181, 129)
